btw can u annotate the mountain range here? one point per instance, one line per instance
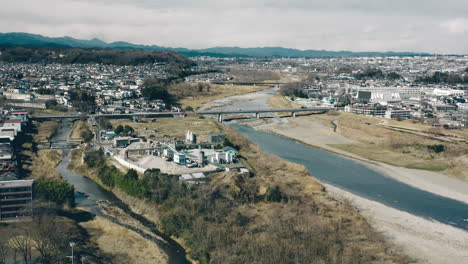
(34, 40)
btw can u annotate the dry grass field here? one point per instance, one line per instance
(45, 130)
(170, 127)
(402, 143)
(188, 94)
(123, 245)
(399, 143)
(38, 111)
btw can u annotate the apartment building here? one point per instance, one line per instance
(16, 198)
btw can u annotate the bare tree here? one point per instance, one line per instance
(4, 250)
(23, 244)
(47, 240)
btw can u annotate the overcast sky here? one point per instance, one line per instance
(357, 25)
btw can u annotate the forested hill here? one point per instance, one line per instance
(9, 53)
(33, 40)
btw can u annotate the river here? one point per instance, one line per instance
(88, 195)
(345, 173)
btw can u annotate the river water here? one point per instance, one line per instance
(347, 174)
(88, 195)
(361, 180)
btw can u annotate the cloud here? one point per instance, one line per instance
(455, 26)
(358, 25)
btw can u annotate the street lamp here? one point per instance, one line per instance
(72, 244)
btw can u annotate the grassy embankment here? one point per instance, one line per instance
(239, 219)
(39, 111)
(399, 143)
(278, 101)
(38, 162)
(35, 161)
(122, 244)
(78, 128)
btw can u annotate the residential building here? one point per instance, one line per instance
(398, 114)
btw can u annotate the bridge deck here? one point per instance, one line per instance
(255, 111)
(218, 112)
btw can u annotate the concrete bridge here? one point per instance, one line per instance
(257, 112)
(249, 83)
(219, 113)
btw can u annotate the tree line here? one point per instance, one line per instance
(374, 73)
(93, 55)
(444, 77)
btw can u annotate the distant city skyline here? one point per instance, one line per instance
(355, 25)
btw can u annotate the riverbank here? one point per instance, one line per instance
(313, 133)
(399, 143)
(422, 239)
(414, 234)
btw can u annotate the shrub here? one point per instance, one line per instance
(87, 135)
(436, 148)
(275, 195)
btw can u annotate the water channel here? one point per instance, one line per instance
(88, 195)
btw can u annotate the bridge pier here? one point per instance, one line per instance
(220, 118)
(293, 114)
(257, 115)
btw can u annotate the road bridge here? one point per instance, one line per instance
(249, 83)
(257, 112)
(219, 113)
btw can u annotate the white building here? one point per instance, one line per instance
(190, 137)
(448, 92)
